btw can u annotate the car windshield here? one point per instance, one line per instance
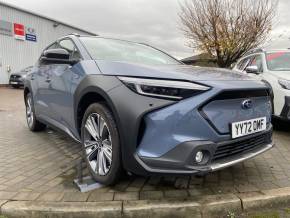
(119, 50)
(278, 61)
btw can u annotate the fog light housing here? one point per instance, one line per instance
(199, 156)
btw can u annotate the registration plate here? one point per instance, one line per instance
(13, 83)
(248, 127)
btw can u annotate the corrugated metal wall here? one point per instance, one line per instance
(20, 54)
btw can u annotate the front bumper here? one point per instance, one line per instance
(180, 160)
(227, 163)
(16, 81)
(161, 136)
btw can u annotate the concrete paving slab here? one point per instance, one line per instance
(220, 205)
(33, 209)
(158, 209)
(264, 200)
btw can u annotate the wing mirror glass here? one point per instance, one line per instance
(252, 69)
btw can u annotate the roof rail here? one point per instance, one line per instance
(78, 35)
(74, 34)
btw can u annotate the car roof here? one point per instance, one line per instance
(72, 35)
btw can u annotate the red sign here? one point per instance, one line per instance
(19, 32)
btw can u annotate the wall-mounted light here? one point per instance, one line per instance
(55, 24)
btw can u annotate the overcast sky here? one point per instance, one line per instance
(151, 21)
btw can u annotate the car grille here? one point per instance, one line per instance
(239, 147)
(241, 94)
(15, 77)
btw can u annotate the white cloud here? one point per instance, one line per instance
(151, 21)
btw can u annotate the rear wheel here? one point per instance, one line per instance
(101, 145)
(33, 124)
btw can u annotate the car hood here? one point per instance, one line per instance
(181, 72)
(281, 74)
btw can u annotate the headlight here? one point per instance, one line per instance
(163, 88)
(23, 76)
(284, 83)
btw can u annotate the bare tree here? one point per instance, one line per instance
(227, 29)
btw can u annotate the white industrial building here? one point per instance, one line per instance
(23, 35)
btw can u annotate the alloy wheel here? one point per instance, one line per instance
(29, 111)
(98, 144)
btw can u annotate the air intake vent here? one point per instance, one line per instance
(231, 149)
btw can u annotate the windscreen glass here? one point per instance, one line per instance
(278, 61)
(119, 50)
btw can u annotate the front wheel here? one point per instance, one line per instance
(101, 145)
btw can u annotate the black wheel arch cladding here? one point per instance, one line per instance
(127, 111)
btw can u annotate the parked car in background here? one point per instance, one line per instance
(136, 108)
(272, 67)
(16, 80)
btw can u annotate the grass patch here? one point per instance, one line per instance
(266, 215)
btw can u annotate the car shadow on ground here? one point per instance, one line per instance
(281, 125)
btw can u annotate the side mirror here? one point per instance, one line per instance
(252, 69)
(57, 56)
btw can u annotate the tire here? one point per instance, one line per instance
(272, 103)
(33, 124)
(280, 124)
(101, 146)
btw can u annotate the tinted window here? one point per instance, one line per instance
(119, 50)
(278, 61)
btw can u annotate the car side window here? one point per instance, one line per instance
(243, 63)
(68, 45)
(51, 46)
(257, 61)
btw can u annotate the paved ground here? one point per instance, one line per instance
(41, 166)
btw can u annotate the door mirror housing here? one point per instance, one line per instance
(57, 56)
(252, 69)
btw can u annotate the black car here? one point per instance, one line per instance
(16, 80)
